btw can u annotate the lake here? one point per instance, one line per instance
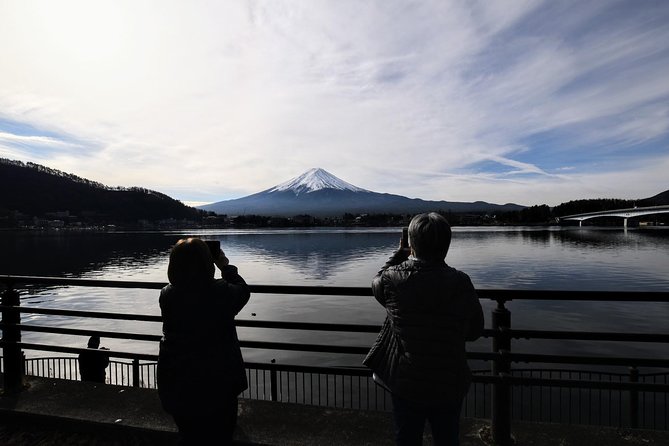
(554, 258)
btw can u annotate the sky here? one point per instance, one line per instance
(527, 102)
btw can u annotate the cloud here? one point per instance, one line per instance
(439, 100)
(32, 141)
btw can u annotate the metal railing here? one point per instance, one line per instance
(636, 400)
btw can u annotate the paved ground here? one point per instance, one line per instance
(55, 412)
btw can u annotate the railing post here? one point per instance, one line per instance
(135, 372)
(11, 336)
(501, 367)
(634, 399)
(273, 383)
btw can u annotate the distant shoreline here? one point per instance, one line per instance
(122, 229)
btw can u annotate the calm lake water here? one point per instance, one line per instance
(494, 257)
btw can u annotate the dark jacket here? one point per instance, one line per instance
(92, 365)
(431, 310)
(200, 359)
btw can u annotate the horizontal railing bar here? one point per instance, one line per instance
(319, 348)
(587, 335)
(312, 326)
(263, 289)
(344, 370)
(484, 372)
(47, 358)
(353, 328)
(83, 313)
(69, 281)
(569, 383)
(648, 375)
(83, 332)
(574, 371)
(312, 290)
(354, 350)
(490, 294)
(604, 296)
(67, 358)
(577, 383)
(556, 370)
(77, 350)
(482, 356)
(594, 360)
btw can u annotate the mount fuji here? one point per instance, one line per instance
(319, 193)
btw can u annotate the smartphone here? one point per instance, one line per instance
(214, 248)
(405, 237)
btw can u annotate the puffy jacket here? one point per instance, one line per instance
(431, 310)
(200, 358)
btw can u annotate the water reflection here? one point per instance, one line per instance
(512, 258)
(63, 254)
(571, 258)
(331, 258)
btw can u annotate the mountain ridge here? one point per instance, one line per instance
(33, 190)
(37, 190)
(319, 193)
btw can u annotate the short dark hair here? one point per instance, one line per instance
(94, 341)
(430, 236)
(191, 263)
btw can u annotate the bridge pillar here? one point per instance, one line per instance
(580, 223)
(625, 222)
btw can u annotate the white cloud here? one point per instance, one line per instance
(46, 141)
(215, 100)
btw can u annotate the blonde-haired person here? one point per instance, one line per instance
(200, 366)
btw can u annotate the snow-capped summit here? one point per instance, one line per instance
(320, 194)
(313, 180)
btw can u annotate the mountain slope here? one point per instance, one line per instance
(321, 194)
(661, 199)
(36, 190)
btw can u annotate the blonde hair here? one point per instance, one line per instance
(191, 263)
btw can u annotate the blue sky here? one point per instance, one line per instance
(529, 102)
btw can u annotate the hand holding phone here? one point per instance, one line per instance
(405, 238)
(214, 248)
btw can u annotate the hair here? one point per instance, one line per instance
(430, 236)
(191, 263)
(94, 341)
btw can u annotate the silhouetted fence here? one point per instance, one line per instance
(566, 395)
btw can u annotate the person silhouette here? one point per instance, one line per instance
(431, 311)
(200, 366)
(92, 364)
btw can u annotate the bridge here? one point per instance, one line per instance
(622, 213)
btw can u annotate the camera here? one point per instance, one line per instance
(405, 237)
(214, 248)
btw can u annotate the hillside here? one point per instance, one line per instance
(661, 199)
(35, 190)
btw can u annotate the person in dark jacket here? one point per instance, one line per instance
(200, 366)
(92, 364)
(431, 311)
